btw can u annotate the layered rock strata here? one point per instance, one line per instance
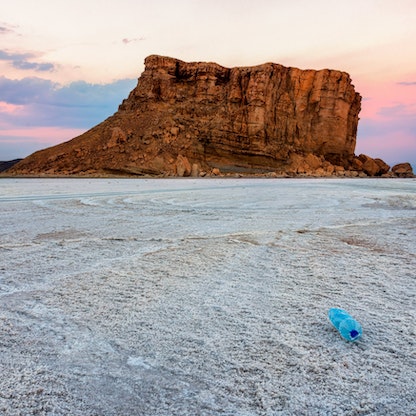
(189, 118)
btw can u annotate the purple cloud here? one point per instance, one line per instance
(7, 56)
(77, 105)
(23, 61)
(25, 91)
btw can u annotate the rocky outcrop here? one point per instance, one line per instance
(370, 166)
(192, 119)
(8, 164)
(184, 118)
(199, 118)
(403, 170)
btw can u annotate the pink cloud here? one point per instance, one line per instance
(21, 141)
(379, 95)
(53, 135)
(10, 108)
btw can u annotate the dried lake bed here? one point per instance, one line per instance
(206, 296)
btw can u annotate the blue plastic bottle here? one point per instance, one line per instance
(347, 326)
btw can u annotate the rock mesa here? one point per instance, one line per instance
(186, 118)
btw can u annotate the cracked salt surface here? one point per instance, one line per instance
(206, 297)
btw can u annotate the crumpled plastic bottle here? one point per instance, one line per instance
(347, 326)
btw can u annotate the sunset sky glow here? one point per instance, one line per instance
(66, 66)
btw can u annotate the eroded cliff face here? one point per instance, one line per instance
(186, 117)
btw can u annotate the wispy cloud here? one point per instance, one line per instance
(12, 56)
(399, 111)
(24, 61)
(6, 29)
(126, 41)
(40, 67)
(407, 83)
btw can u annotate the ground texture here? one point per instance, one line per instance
(206, 297)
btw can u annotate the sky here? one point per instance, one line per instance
(66, 65)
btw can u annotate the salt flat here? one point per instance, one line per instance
(206, 297)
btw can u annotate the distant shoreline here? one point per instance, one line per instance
(229, 176)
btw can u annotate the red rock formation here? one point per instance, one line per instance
(372, 167)
(403, 170)
(184, 118)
